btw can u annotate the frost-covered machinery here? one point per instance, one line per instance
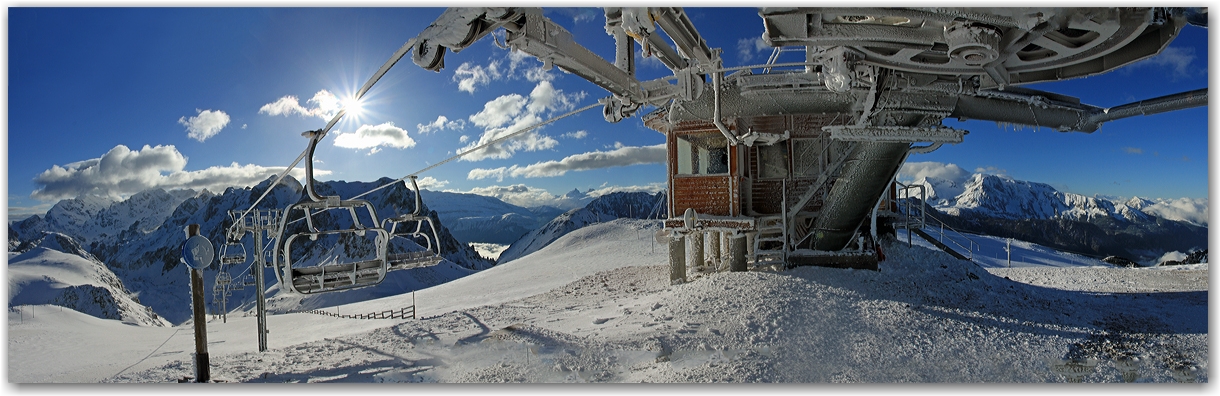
(783, 163)
(790, 163)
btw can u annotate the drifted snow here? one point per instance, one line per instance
(596, 306)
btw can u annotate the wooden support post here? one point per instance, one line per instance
(202, 365)
(677, 260)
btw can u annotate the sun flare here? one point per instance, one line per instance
(353, 106)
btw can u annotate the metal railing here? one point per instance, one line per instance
(920, 220)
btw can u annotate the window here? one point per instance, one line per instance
(773, 161)
(807, 157)
(703, 154)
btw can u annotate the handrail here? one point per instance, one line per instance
(924, 215)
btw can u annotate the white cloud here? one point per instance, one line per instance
(205, 125)
(1133, 150)
(325, 106)
(1168, 256)
(1178, 59)
(748, 47)
(916, 170)
(430, 183)
(1181, 209)
(243, 126)
(441, 123)
(519, 194)
(122, 172)
(373, 136)
(576, 135)
(991, 170)
(463, 139)
(651, 188)
(623, 156)
(469, 76)
(499, 111)
(508, 114)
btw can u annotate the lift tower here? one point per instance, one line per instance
(259, 222)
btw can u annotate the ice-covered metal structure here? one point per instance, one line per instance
(794, 163)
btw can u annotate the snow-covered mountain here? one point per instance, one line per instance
(637, 205)
(94, 219)
(57, 270)
(146, 258)
(596, 306)
(1135, 228)
(479, 218)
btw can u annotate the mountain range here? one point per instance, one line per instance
(1137, 228)
(139, 239)
(129, 250)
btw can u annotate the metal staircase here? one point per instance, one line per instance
(771, 245)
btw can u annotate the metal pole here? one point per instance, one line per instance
(1009, 250)
(261, 304)
(202, 370)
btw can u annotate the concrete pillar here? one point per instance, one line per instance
(750, 237)
(696, 253)
(713, 250)
(677, 261)
(737, 253)
(724, 248)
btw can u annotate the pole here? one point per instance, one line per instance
(1008, 249)
(261, 304)
(202, 370)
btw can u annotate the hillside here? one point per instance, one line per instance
(56, 270)
(146, 259)
(595, 306)
(635, 205)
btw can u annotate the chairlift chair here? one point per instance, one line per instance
(233, 252)
(428, 257)
(332, 276)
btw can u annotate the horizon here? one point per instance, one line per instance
(200, 97)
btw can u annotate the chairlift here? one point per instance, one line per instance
(428, 257)
(233, 252)
(336, 275)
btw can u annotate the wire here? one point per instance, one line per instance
(402, 51)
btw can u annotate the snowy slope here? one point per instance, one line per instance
(608, 207)
(596, 306)
(989, 251)
(58, 271)
(147, 258)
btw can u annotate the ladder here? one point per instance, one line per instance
(771, 245)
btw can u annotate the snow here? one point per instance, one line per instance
(989, 250)
(596, 306)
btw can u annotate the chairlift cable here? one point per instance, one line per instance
(402, 51)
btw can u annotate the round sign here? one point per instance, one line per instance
(198, 252)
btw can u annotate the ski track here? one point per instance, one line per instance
(596, 306)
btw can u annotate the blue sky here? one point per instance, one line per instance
(112, 101)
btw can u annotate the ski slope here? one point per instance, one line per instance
(989, 251)
(597, 306)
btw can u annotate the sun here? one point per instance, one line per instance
(353, 107)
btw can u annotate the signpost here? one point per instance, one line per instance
(198, 254)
